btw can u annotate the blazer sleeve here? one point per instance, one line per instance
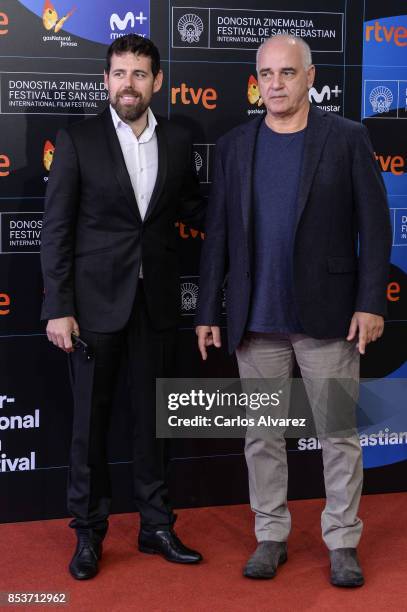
(375, 233)
(58, 231)
(214, 250)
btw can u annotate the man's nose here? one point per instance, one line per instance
(127, 81)
(276, 81)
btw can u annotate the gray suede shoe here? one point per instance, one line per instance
(345, 568)
(264, 561)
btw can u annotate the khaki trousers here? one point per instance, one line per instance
(272, 356)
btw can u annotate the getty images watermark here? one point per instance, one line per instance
(219, 400)
(234, 408)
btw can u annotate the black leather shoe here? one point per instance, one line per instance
(167, 544)
(265, 560)
(345, 568)
(84, 564)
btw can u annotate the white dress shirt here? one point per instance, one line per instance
(141, 158)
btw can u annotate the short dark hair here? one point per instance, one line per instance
(139, 45)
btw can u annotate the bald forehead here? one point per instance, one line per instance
(281, 50)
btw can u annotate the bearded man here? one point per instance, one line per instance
(118, 184)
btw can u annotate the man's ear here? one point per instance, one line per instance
(310, 76)
(158, 81)
(105, 78)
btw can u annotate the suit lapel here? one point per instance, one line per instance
(317, 131)
(119, 165)
(246, 145)
(161, 171)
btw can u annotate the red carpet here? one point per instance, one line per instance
(34, 557)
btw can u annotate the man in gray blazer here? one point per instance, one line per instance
(298, 224)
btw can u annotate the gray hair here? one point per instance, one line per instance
(305, 48)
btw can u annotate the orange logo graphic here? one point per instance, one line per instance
(380, 33)
(188, 232)
(253, 91)
(50, 17)
(3, 24)
(48, 154)
(187, 95)
(4, 165)
(391, 163)
(393, 291)
(4, 303)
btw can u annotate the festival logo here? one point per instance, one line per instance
(190, 28)
(198, 162)
(21, 232)
(203, 157)
(400, 227)
(381, 99)
(189, 297)
(38, 92)
(246, 28)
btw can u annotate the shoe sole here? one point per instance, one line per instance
(348, 585)
(152, 551)
(265, 576)
(82, 577)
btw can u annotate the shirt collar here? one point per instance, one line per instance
(148, 132)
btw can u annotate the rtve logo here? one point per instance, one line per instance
(3, 24)
(381, 33)
(4, 165)
(187, 95)
(391, 163)
(4, 304)
(186, 232)
(393, 291)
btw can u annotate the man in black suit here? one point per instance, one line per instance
(298, 223)
(118, 184)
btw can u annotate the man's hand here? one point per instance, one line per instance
(208, 335)
(59, 332)
(369, 326)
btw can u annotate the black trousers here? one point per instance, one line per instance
(150, 354)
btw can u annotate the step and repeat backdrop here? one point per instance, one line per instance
(51, 75)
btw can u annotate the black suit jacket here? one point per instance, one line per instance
(342, 236)
(93, 238)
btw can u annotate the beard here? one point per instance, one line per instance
(129, 112)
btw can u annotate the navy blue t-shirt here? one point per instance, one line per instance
(278, 159)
